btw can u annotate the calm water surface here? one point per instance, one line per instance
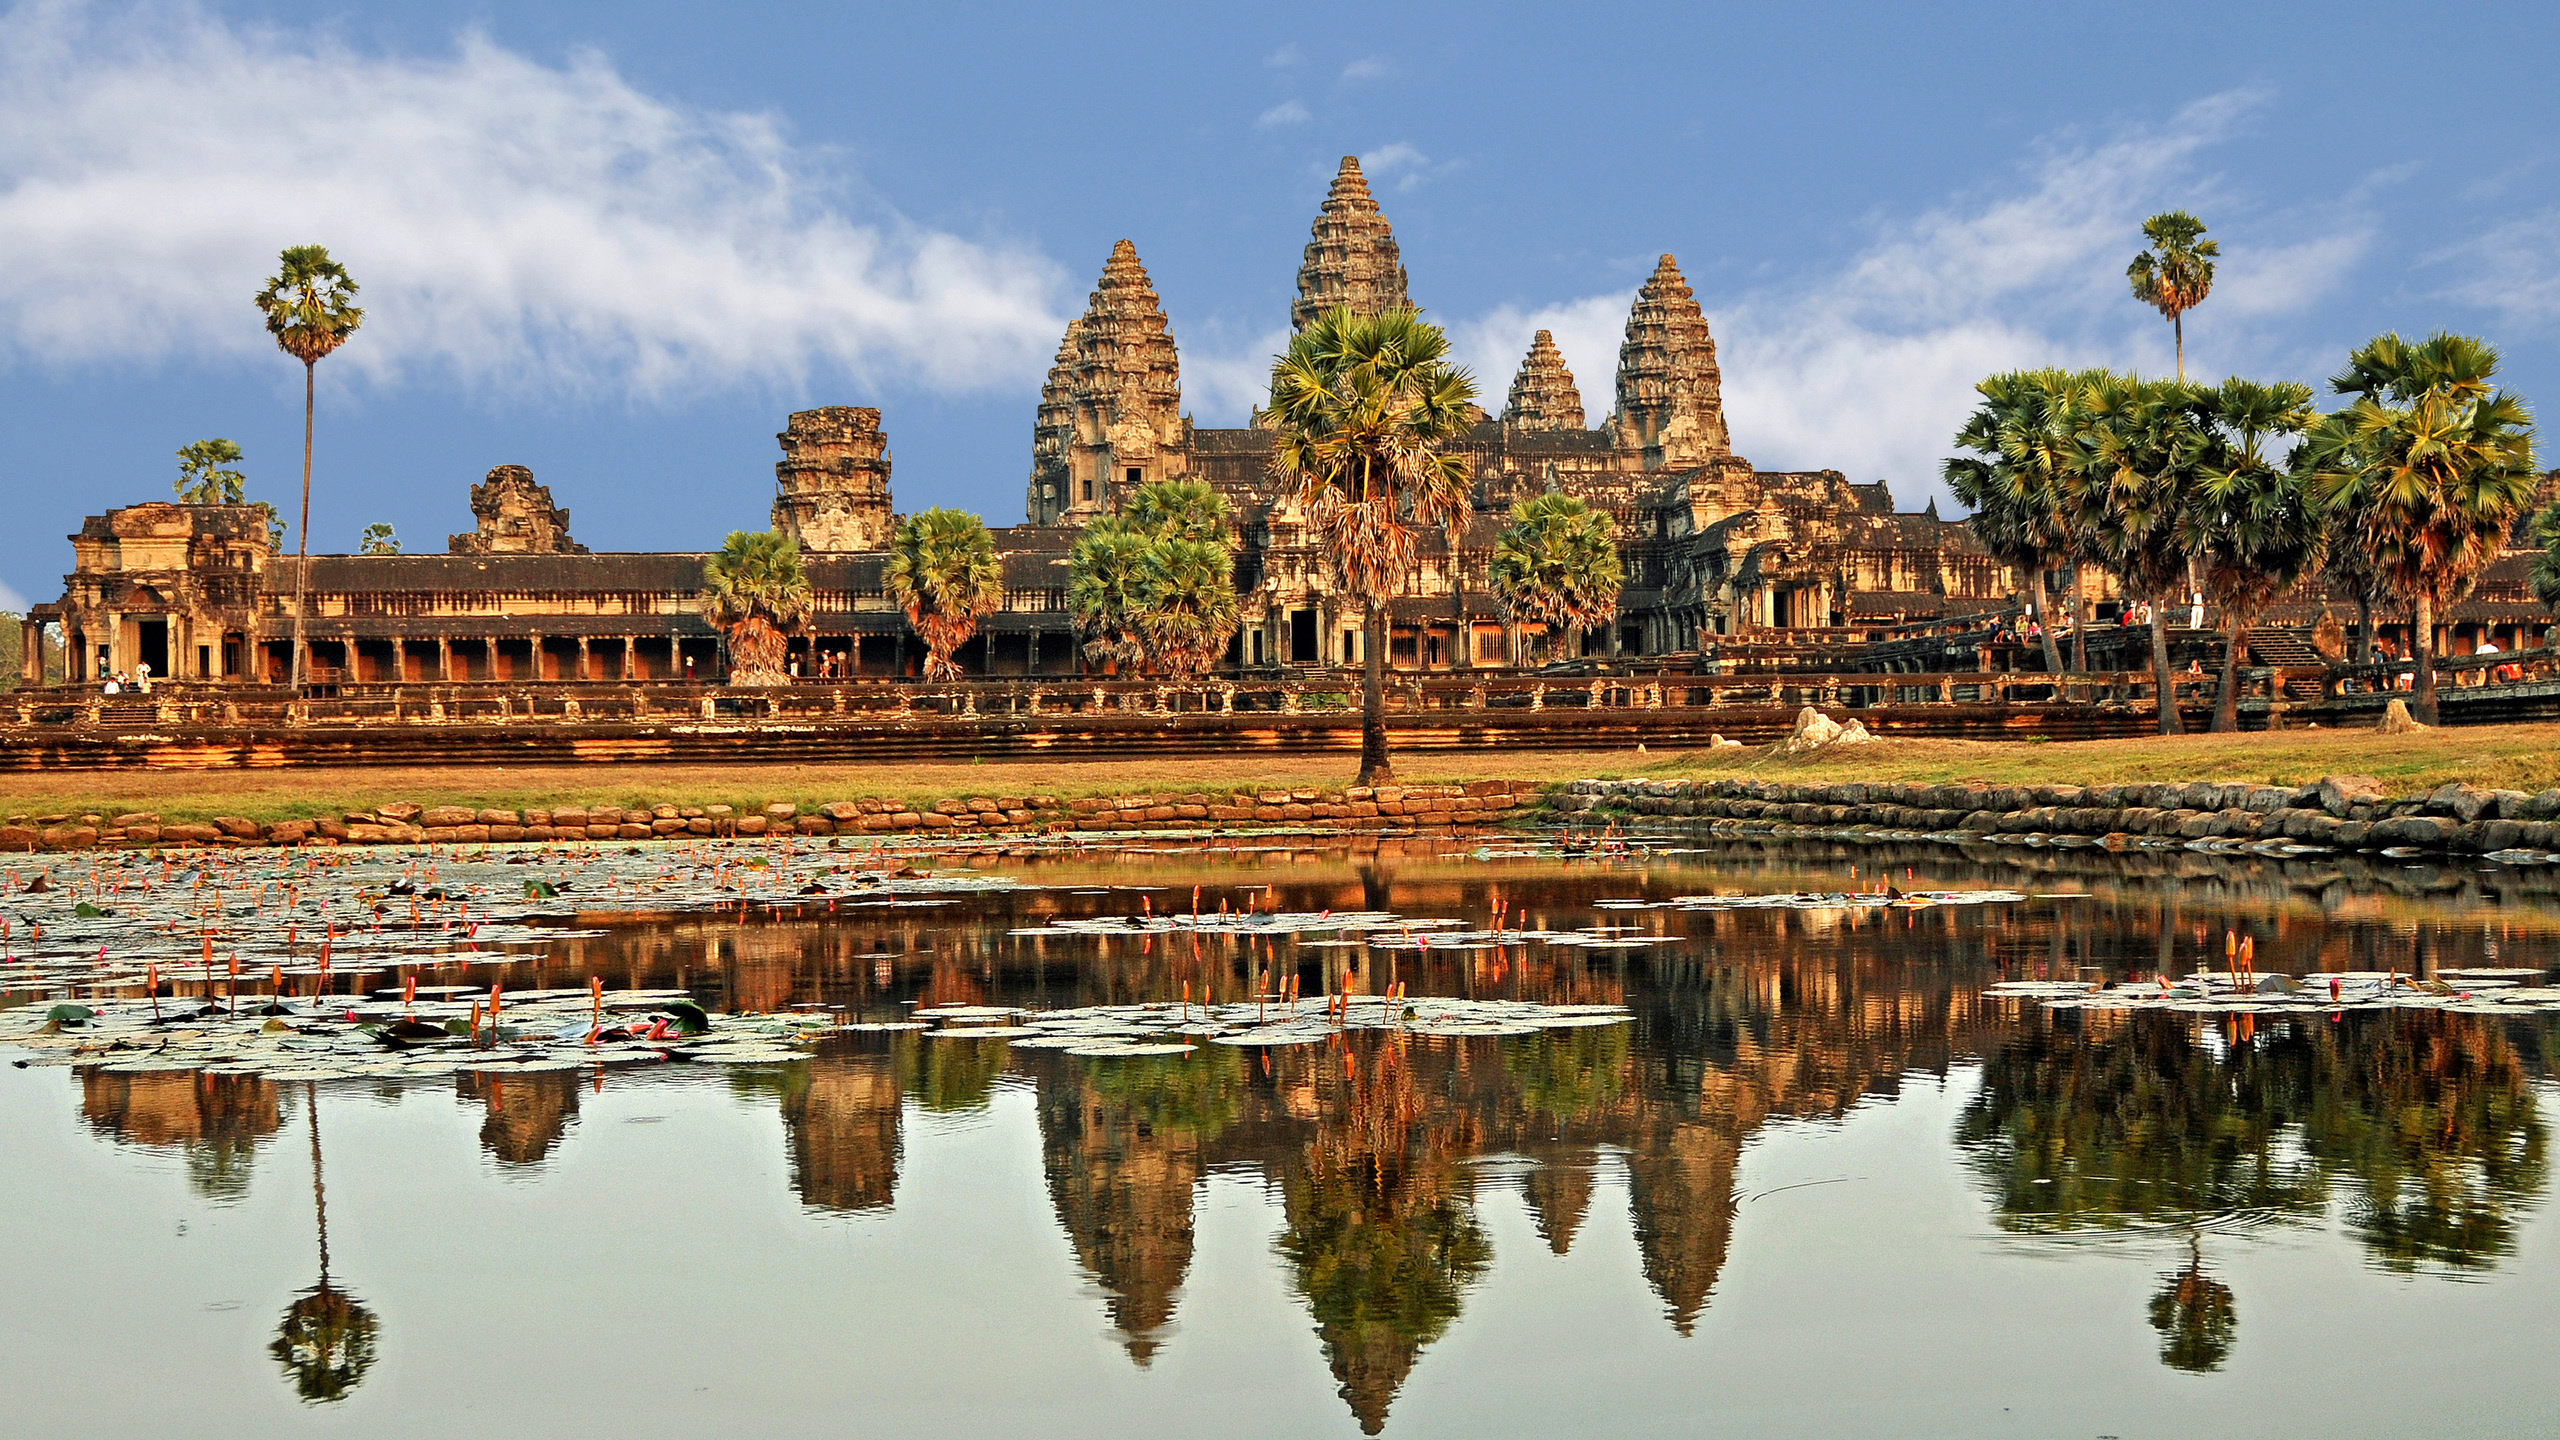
(1820, 1186)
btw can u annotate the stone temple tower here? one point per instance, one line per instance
(1670, 393)
(833, 480)
(1543, 396)
(1351, 257)
(514, 516)
(1110, 416)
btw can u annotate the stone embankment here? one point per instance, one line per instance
(2342, 812)
(1412, 807)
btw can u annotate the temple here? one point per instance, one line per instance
(1719, 555)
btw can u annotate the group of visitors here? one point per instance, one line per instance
(138, 682)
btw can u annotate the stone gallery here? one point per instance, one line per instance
(1712, 547)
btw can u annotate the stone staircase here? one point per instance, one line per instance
(2288, 648)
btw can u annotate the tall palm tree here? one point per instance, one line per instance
(2176, 273)
(2021, 439)
(2546, 566)
(1367, 410)
(2139, 451)
(1556, 564)
(1181, 508)
(944, 573)
(1102, 586)
(2253, 526)
(1186, 602)
(2433, 463)
(311, 310)
(755, 591)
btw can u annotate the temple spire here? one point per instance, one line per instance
(1543, 396)
(1351, 256)
(1670, 393)
(1111, 413)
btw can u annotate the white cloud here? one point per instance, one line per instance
(1221, 384)
(1368, 68)
(1388, 159)
(514, 224)
(1283, 58)
(2512, 270)
(11, 602)
(1287, 112)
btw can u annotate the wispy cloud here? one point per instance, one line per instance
(1587, 331)
(1368, 68)
(515, 224)
(1284, 57)
(1287, 112)
(2512, 270)
(11, 602)
(1388, 159)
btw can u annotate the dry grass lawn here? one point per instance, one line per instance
(2521, 757)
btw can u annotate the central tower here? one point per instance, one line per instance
(1351, 258)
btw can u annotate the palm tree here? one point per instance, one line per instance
(1102, 582)
(2546, 566)
(2021, 439)
(1186, 602)
(1180, 508)
(2139, 449)
(204, 477)
(2431, 464)
(326, 1343)
(755, 591)
(1366, 408)
(310, 309)
(1556, 564)
(2176, 274)
(2252, 525)
(944, 572)
(378, 539)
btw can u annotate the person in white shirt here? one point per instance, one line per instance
(2195, 611)
(142, 677)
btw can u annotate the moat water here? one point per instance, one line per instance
(1820, 1184)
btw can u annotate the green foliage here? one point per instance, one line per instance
(309, 304)
(944, 573)
(2427, 468)
(13, 651)
(1556, 564)
(378, 540)
(2176, 273)
(2546, 566)
(754, 589)
(203, 478)
(1155, 581)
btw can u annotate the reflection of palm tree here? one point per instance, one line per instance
(326, 1341)
(2194, 1315)
(1379, 1234)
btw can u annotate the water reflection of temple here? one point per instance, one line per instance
(526, 1114)
(217, 1121)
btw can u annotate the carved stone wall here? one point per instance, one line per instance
(1543, 395)
(833, 480)
(1351, 258)
(514, 516)
(1670, 393)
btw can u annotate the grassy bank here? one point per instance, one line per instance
(2520, 757)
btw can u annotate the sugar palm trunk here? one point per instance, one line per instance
(2226, 702)
(2161, 681)
(2044, 621)
(2423, 645)
(302, 532)
(2079, 622)
(1374, 768)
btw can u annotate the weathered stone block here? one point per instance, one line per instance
(2430, 831)
(2340, 794)
(752, 824)
(239, 827)
(503, 834)
(398, 812)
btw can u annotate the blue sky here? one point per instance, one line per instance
(619, 243)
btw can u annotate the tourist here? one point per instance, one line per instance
(115, 683)
(142, 677)
(2195, 611)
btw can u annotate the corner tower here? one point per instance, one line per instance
(1670, 393)
(1110, 415)
(833, 480)
(1351, 257)
(1543, 395)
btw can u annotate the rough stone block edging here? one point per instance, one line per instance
(2341, 812)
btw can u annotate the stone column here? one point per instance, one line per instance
(630, 657)
(582, 657)
(399, 659)
(533, 651)
(31, 652)
(444, 657)
(489, 656)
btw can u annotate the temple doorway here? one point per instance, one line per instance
(151, 645)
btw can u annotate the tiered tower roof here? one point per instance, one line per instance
(1113, 400)
(1670, 393)
(1351, 257)
(1543, 396)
